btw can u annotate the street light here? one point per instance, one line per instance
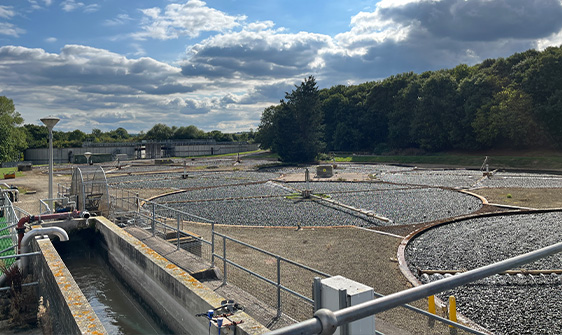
(50, 122)
(87, 155)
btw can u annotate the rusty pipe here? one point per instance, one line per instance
(20, 228)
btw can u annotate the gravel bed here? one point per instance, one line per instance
(195, 180)
(272, 212)
(528, 180)
(372, 168)
(412, 205)
(445, 178)
(240, 191)
(517, 304)
(340, 187)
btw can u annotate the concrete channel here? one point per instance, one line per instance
(171, 292)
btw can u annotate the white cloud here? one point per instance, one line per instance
(119, 20)
(7, 12)
(188, 19)
(72, 5)
(91, 87)
(263, 53)
(9, 29)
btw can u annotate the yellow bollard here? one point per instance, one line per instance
(452, 309)
(431, 304)
(431, 309)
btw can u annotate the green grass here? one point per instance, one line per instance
(531, 162)
(8, 170)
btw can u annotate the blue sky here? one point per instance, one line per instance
(217, 64)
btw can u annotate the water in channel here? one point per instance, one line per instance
(120, 310)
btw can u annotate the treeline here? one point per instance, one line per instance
(15, 136)
(37, 136)
(504, 103)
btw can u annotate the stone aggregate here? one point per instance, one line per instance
(447, 178)
(528, 180)
(505, 304)
(272, 212)
(342, 187)
(243, 191)
(194, 180)
(409, 206)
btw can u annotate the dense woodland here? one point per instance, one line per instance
(504, 103)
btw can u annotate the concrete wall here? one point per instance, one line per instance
(69, 310)
(60, 155)
(151, 150)
(171, 292)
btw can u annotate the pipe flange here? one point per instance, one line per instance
(328, 321)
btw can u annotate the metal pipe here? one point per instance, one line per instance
(57, 231)
(331, 320)
(32, 218)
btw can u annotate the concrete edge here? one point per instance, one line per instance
(249, 325)
(77, 312)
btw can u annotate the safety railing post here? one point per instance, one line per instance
(213, 244)
(153, 219)
(317, 293)
(178, 232)
(279, 305)
(224, 259)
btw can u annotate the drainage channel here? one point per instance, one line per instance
(119, 309)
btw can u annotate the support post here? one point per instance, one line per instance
(431, 309)
(317, 293)
(344, 329)
(213, 244)
(452, 309)
(153, 219)
(178, 232)
(279, 306)
(224, 260)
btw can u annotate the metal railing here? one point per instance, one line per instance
(277, 281)
(326, 322)
(159, 218)
(10, 219)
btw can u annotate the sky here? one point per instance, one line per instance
(218, 64)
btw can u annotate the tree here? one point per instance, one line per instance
(12, 136)
(434, 115)
(37, 136)
(266, 130)
(159, 132)
(189, 132)
(298, 124)
(507, 121)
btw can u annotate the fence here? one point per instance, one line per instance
(326, 322)
(279, 282)
(275, 280)
(8, 235)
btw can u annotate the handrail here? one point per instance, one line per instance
(273, 255)
(157, 218)
(326, 321)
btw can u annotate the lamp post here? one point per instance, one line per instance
(88, 155)
(50, 122)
